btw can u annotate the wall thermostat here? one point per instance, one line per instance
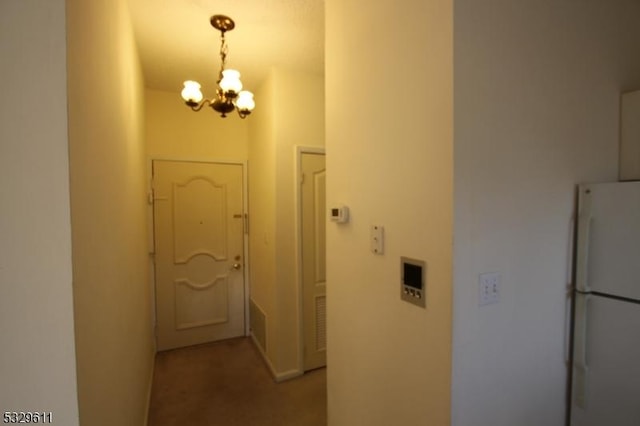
(339, 214)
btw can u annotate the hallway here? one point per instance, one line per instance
(227, 383)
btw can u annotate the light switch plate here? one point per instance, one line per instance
(377, 239)
(489, 288)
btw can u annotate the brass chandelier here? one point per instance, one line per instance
(229, 94)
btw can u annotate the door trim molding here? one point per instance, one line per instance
(150, 230)
(299, 150)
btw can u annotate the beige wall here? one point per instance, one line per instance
(299, 110)
(173, 131)
(37, 360)
(536, 111)
(389, 135)
(112, 302)
(262, 208)
(291, 114)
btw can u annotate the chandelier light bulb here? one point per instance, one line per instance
(191, 92)
(231, 81)
(245, 101)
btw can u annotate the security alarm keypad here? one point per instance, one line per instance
(413, 281)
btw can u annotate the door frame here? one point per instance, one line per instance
(299, 150)
(151, 234)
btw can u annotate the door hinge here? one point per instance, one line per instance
(152, 193)
(245, 221)
(152, 190)
(301, 178)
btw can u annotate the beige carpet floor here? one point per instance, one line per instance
(227, 383)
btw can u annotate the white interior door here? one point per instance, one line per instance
(198, 233)
(313, 260)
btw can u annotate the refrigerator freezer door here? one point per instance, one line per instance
(609, 239)
(606, 365)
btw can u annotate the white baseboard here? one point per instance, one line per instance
(278, 377)
(288, 375)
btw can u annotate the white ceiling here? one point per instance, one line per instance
(177, 42)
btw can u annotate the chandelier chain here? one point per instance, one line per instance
(224, 50)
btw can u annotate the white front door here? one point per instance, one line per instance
(198, 220)
(313, 260)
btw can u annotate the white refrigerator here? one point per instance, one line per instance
(605, 381)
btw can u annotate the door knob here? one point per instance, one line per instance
(236, 266)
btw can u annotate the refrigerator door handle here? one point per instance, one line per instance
(580, 360)
(582, 250)
(567, 326)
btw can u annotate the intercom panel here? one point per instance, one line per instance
(413, 282)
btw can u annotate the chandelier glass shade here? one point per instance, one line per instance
(229, 94)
